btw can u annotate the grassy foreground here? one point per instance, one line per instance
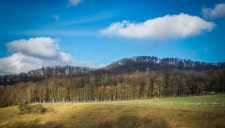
(184, 112)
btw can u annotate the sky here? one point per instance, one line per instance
(94, 33)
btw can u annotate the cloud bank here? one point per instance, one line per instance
(217, 12)
(166, 27)
(32, 54)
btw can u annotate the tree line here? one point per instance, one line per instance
(101, 86)
(44, 73)
(126, 65)
(141, 63)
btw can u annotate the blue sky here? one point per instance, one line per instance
(94, 33)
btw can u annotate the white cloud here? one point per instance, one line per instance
(217, 12)
(166, 27)
(74, 2)
(43, 47)
(32, 54)
(18, 62)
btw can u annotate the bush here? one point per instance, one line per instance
(24, 107)
(38, 109)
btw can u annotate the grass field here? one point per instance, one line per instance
(183, 112)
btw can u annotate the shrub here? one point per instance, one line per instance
(24, 107)
(37, 109)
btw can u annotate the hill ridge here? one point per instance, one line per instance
(125, 65)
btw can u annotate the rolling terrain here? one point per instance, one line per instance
(182, 112)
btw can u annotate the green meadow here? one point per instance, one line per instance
(181, 112)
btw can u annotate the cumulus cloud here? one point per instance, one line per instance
(166, 27)
(32, 54)
(39, 47)
(74, 2)
(19, 62)
(217, 12)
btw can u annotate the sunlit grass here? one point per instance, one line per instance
(214, 102)
(148, 113)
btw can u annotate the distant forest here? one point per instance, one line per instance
(129, 78)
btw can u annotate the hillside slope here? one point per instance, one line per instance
(127, 114)
(125, 65)
(145, 63)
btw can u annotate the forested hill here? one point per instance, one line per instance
(151, 63)
(126, 79)
(126, 65)
(44, 73)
